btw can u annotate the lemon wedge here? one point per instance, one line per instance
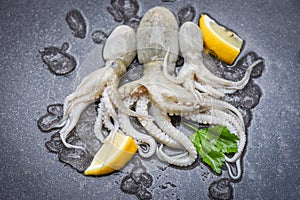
(113, 155)
(221, 42)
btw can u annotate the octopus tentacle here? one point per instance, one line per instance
(208, 89)
(93, 85)
(127, 127)
(107, 121)
(232, 125)
(168, 96)
(70, 123)
(182, 78)
(98, 123)
(90, 91)
(222, 105)
(239, 127)
(210, 119)
(131, 89)
(173, 102)
(191, 46)
(227, 84)
(80, 100)
(164, 104)
(152, 129)
(116, 99)
(107, 102)
(109, 111)
(189, 84)
(165, 124)
(238, 170)
(140, 137)
(178, 79)
(86, 83)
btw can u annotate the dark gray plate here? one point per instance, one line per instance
(28, 171)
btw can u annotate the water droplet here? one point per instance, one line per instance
(55, 109)
(137, 181)
(248, 97)
(186, 14)
(163, 187)
(130, 186)
(52, 118)
(99, 37)
(144, 194)
(171, 184)
(58, 61)
(220, 189)
(55, 144)
(133, 22)
(127, 8)
(76, 23)
(144, 178)
(82, 135)
(76, 158)
(117, 15)
(85, 130)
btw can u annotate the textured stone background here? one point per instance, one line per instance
(28, 171)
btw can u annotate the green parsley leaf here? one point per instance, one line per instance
(213, 143)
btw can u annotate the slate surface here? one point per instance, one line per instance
(28, 171)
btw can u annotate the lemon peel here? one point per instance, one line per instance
(220, 41)
(113, 155)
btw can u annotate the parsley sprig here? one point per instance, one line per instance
(213, 143)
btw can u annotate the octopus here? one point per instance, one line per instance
(193, 94)
(91, 88)
(157, 49)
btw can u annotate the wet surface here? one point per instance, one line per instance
(30, 172)
(168, 0)
(125, 11)
(137, 182)
(99, 37)
(76, 23)
(76, 158)
(236, 72)
(59, 62)
(134, 72)
(52, 118)
(247, 98)
(220, 190)
(186, 14)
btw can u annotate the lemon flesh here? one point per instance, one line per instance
(221, 42)
(113, 155)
